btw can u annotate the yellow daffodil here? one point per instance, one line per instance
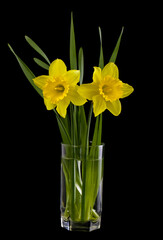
(60, 87)
(106, 90)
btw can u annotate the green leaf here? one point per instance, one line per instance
(41, 63)
(27, 72)
(82, 126)
(64, 133)
(81, 64)
(100, 130)
(82, 122)
(36, 48)
(115, 52)
(89, 124)
(101, 58)
(95, 135)
(73, 58)
(73, 119)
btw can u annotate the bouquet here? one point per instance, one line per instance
(64, 92)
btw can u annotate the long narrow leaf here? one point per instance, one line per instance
(101, 58)
(64, 133)
(73, 65)
(36, 48)
(95, 135)
(73, 58)
(100, 131)
(41, 63)
(115, 52)
(82, 122)
(27, 72)
(82, 126)
(76, 140)
(81, 64)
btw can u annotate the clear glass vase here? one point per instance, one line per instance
(81, 187)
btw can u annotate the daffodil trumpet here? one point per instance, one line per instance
(64, 92)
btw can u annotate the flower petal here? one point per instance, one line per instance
(114, 107)
(88, 90)
(110, 69)
(72, 77)
(127, 90)
(99, 105)
(75, 97)
(62, 107)
(41, 81)
(48, 104)
(57, 68)
(97, 75)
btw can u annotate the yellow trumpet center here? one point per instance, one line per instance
(55, 90)
(59, 88)
(110, 88)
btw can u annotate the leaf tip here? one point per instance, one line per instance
(100, 34)
(10, 47)
(27, 38)
(122, 29)
(71, 16)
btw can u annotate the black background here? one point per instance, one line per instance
(31, 168)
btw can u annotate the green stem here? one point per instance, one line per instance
(66, 175)
(85, 205)
(89, 124)
(74, 135)
(72, 188)
(72, 167)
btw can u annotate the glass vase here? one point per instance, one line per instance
(81, 187)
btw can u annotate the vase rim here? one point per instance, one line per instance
(98, 145)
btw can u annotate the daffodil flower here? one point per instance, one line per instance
(60, 87)
(106, 90)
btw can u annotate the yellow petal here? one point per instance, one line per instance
(99, 105)
(48, 104)
(41, 81)
(127, 90)
(97, 75)
(72, 77)
(114, 107)
(57, 68)
(75, 97)
(62, 107)
(110, 69)
(88, 90)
